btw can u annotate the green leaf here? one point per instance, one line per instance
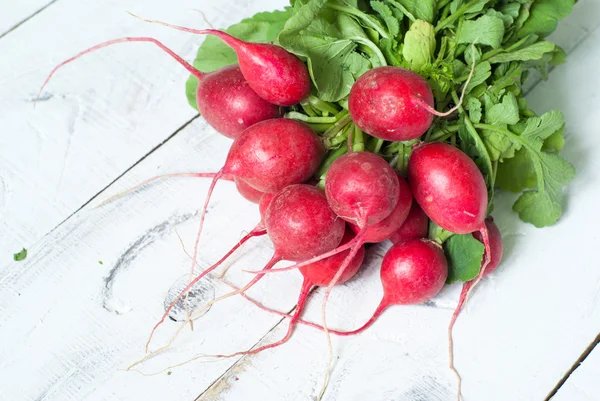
(482, 72)
(508, 77)
(536, 129)
(532, 52)
(393, 25)
(555, 142)
(21, 255)
(420, 9)
(505, 112)
(333, 62)
(506, 19)
(559, 56)
(544, 206)
(500, 114)
(474, 107)
(464, 254)
(419, 45)
(467, 7)
(544, 16)
(517, 173)
(485, 30)
(437, 233)
(214, 54)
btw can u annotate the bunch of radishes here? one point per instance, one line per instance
(273, 161)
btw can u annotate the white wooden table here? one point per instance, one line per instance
(68, 323)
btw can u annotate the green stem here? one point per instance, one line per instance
(320, 127)
(359, 140)
(362, 16)
(339, 125)
(443, 132)
(308, 110)
(371, 46)
(447, 21)
(322, 105)
(378, 145)
(294, 115)
(473, 132)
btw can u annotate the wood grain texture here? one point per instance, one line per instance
(583, 383)
(15, 13)
(69, 323)
(98, 116)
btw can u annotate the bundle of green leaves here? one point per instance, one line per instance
(504, 40)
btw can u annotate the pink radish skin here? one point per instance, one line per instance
(381, 231)
(416, 225)
(247, 191)
(224, 97)
(273, 154)
(275, 74)
(386, 102)
(301, 224)
(228, 103)
(362, 188)
(449, 187)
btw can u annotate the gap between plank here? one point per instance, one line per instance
(18, 24)
(154, 149)
(573, 368)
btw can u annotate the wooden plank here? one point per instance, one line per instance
(583, 384)
(525, 326)
(15, 13)
(66, 331)
(69, 323)
(98, 116)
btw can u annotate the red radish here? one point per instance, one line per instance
(449, 187)
(224, 97)
(227, 102)
(395, 104)
(247, 191)
(497, 249)
(362, 188)
(451, 190)
(320, 273)
(300, 223)
(382, 103)
(275, 74)
(388, 226)
(416, 225)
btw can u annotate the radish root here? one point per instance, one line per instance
(358, 243)
(464, 297)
